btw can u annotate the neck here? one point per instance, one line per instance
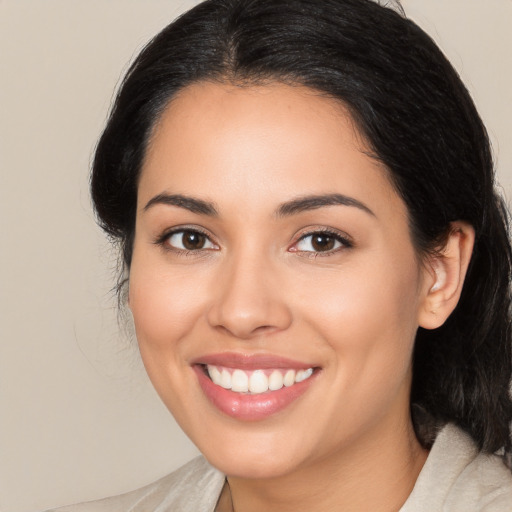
(375, 473)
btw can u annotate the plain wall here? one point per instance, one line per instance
(78, 418)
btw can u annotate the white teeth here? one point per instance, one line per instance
(275, 381)
(225, 379)
(303, 374)
(289, 378)
(258, 383)
(215, 375)
(240, 381)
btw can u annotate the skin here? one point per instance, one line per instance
(257, 287)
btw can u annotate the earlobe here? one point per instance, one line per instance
(444, 276)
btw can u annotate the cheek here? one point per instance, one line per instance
(367, 314)
(165, 305)
(371, 291)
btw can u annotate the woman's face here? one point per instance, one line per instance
(273, 254)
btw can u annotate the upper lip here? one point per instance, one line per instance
(251, 361)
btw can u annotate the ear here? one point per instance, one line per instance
(444, 276)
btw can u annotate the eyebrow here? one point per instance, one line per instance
(313, 202)
(191, 204)
(293, 207)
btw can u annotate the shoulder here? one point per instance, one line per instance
(456, 477)
(195, 487)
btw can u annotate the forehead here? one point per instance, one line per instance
(259, 142)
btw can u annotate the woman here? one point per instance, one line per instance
(316, 261)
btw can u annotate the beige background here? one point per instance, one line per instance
(78, 419)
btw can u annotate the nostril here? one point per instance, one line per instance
(265, 329)
(246, 334)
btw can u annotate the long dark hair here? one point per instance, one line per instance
(418, 119)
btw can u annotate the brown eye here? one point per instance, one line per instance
(193, 240)
(189, 240)
(321, 242)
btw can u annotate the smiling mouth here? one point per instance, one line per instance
(256, 381)
(253, 388)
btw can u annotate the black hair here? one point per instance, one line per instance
(417, 118)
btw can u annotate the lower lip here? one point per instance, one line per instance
(249, 407)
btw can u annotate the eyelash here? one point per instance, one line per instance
(343, 241)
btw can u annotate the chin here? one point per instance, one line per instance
(246, 466)
(257, 455)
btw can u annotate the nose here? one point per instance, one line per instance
(249, 299)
